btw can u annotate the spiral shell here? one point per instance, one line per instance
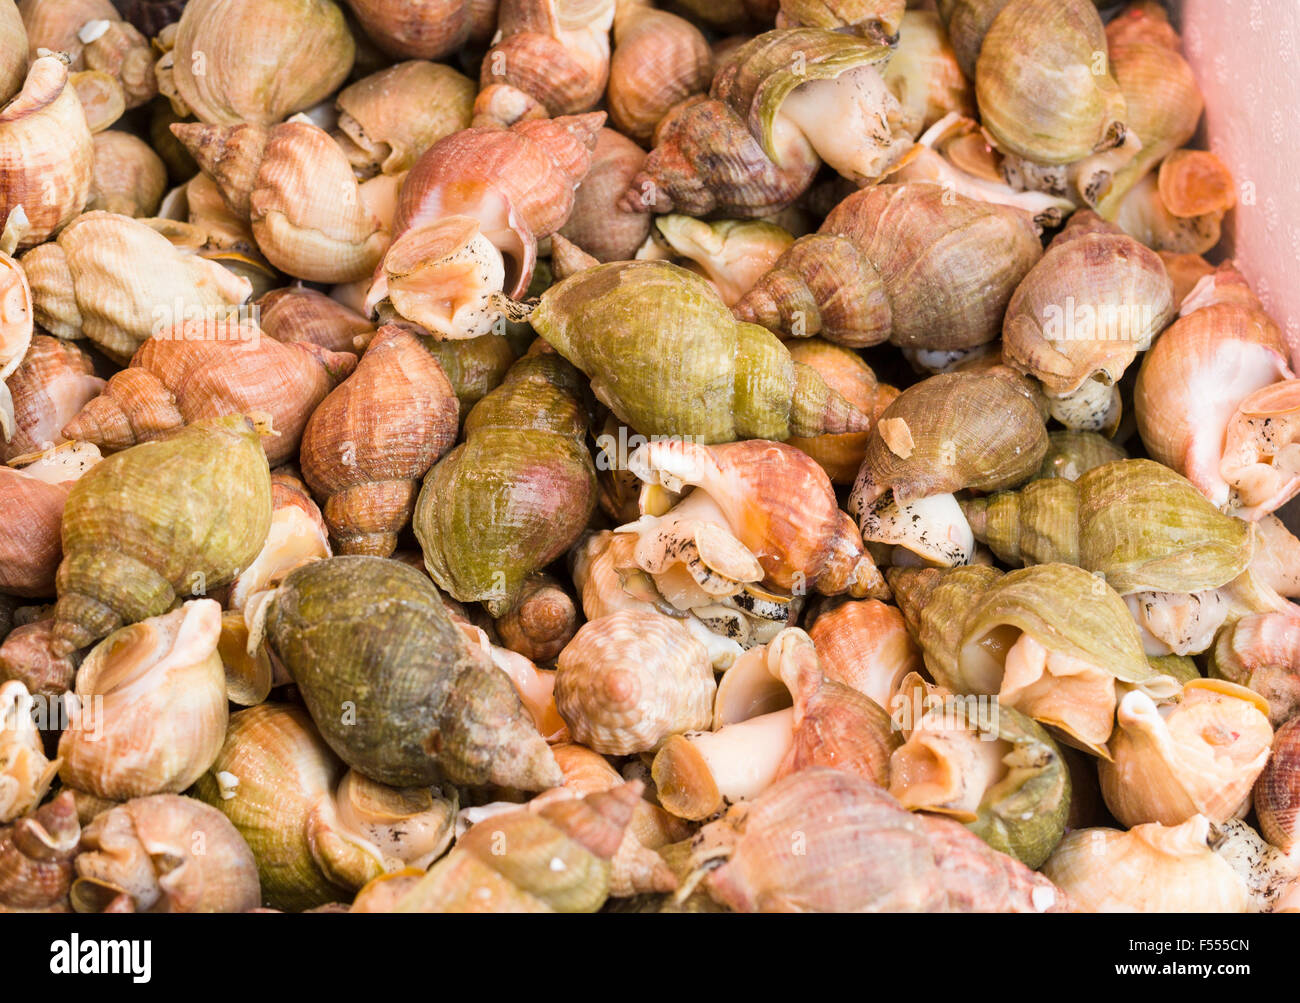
(1262, 651)
(46, 152)
(159, 692)
(659, 59)
(164, 853)
(25, 773)
(209, 370)
(255, 62)
(394, 686)
(1277, 792)
(36, 855)
(866, 645)
(629, 680)
(299, 313)
(596, 224)
(365, 446)
(315, 828)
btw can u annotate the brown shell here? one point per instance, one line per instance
(28, 655)
(129, 178)
(370, 441)
(1277, 792)
(428, 30)
(542, 620)
(52, 383)
(46, 152)
(659, 59)
(208, 370)
(36, 854)
(298, 313)
(597, 224)
(30, 515)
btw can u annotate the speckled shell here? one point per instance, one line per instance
(1277, 793)
(394, 685)
(207, 371)
(165, 853)
(629, 680)
(184, 515)
(374, 436)
(516, 493)
(46, 154)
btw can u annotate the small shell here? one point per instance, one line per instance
(152, 701)
(541, 622)
(367, 444)
(28, 656)
(297, 535)
(1198, 756)
(165, 853)
(31, 510)
(128, 178)
(25, 773)
(924, 73)
(1277, 792)
(299, 313)
(628, 681)
(597, 224)
(1262, 651)
(1150, 868)
(36, 855)
(423, 31)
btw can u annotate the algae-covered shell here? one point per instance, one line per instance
(1197, 755)
(1044, 89)
(152, 699)
(394, 685)
(1019, 796)
(287, 794)
(179, 516)
(629, 680)
(620, 323)
(1146, 528)
(1038, 524)
(516, 493)
(947, 433)
(1150, 868)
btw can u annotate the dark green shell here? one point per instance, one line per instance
(393, 684)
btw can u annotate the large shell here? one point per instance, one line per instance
(297, 806)
(460, 241)
(516, 493)
(778, 503)
(1095, 300)
(90, 283)
(374, 436)
(207, 370)
(629, 680)
(1041, 95)
(153, 702)
(255, 61)
(164, 853)
(183, 515)
(733, 381)
(294, 183)
(1197, 756)
(393, 684)
(858, 850)
(1150, 868)
(31, 510)
(46, 154)
(391, 117)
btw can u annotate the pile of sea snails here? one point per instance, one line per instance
(575, 455)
